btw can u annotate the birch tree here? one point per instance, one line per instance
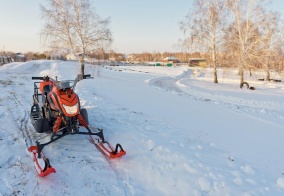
(248, 15)
(271, 40)
(205, 27)
(73, 24)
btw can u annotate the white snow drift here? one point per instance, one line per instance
(184, 135)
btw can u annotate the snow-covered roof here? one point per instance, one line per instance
(200, 59)
(19, 55)
(170, 58)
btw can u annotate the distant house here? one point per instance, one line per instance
(19, 57)
(197, 62)
(171, 59)
(132, 58)
(71, 57)
(5, 59)
(1, 60)
(112, 59)
(77, 56)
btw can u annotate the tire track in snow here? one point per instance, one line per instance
(179, 85)
(21, 73)
(170, 83)
(23, 121)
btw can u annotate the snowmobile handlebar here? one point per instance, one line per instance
(45, 78)
(37, 78)
(77, 79)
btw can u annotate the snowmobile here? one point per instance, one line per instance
(56, 111)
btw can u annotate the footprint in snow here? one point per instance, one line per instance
(250, 181)
(238, 181)
(247, 169)
(171, 165)
(204, 184)
(199, 147)
(150, 145)
(148, 128)
(189, 169)
(280, 182)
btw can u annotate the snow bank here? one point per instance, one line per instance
(184, 135)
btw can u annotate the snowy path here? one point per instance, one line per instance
(187, 99)
(69, 157)
(183, 135)
(234, 130)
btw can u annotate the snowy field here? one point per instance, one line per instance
(183, 134)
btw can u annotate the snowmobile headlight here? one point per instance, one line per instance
(71, 109)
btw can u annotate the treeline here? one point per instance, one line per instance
(102, 55)
(147, 56)
(235, 33)
(225, 59)
(276, 63)
(33, 55)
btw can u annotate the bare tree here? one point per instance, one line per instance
(205, 26)
(248, 15)
(280, 57)
(58, 29)
(73, 24)
(271, 40)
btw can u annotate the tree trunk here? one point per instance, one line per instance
(242, 75)
(215, 76)
(215, 62)
(267, 75)
(267, 69)
(82, 66)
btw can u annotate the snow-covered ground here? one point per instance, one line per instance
(184, 135)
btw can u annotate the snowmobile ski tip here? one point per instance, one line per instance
(42, 164)
(107, 149)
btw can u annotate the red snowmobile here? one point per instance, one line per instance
(58, 112)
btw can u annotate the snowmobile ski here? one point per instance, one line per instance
(41, 164)
(107, 149)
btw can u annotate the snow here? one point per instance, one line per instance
(183, 134)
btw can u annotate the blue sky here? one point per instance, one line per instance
(137, 25)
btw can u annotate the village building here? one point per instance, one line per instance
(197, 62)
(19, 57)
(77, 56)
(171, 59)
(5, 59)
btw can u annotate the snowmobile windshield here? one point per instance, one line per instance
(66, 84)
